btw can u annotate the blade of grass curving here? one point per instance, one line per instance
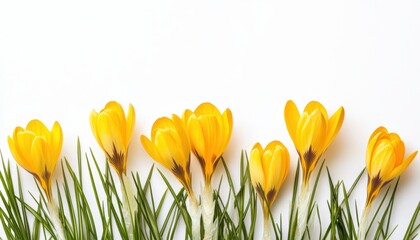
(85, 221)
(253, 202)
(169, 219)
(293, 210)
(175, 216)
(101, 209)
(22, 207)
(41, 214)
(14, 217)
(349, 222)
(144, 207)
(36, 228)
(311, 201)
(66, 225)
(117, 212)
(333, 208)
(180, 204)
(377, 212)
(161, 203)
(383, 225)
(240, 198)
(319, 222)
(68, 228)
(413, 227)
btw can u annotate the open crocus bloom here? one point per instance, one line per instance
(209, 132)
(37, 150)
(268, 168)
(384, 160)
(170, 147)
(312, 132)
(113, 131)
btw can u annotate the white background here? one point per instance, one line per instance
(58, 61)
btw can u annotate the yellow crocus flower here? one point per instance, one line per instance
(384, 160)
(312, 132)
(113, 131)
(37, 150)
(169, 145)
(209, 133)
(268, 168)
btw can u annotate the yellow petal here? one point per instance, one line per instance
(17, 155)
(207, 108)
(196, 136)
(180, 128)
(380, 130)
(272, 162)
(209, 132)
(266, 159)
(316, 106)
(399, 169)
(186, 116)
(226, 130)
(115, 109)
(56, 141)
(383, 159)
(369, 152)
(41, 158)
(94, 126)
(39, 153)
(150, 148)
(291, 117)
(131, 119)
(37, 127)
(23, 143)
(167, 149)
(334, 126)
(311, 132)
(255, 167)
(398, 146)
(285, 163)
(110, 133)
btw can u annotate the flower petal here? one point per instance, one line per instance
(316, 106)
(255, 167)
(56, 143)
(291, 117)
(334, 126)
(398, 170)
(130, 124)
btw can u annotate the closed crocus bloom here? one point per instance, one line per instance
(170, 147)
(37, 150)
(113, 131)
(268, 168)
(384, 160)
(312, 132)
(209, 132)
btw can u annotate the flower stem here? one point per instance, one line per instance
(267, 229)
(195, 214)
(361, 235)
(303, 211)
(52, 209)
(207, 208)
(129, 208)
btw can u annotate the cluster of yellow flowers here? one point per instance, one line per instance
(206, 133)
